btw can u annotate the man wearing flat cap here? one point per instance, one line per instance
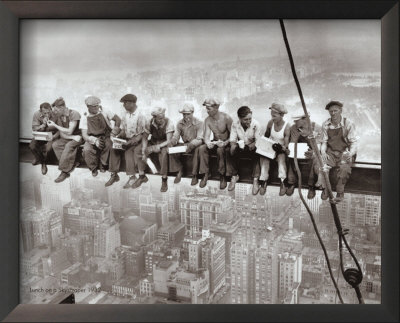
(219, 124)
(244, 133)
(40, 149)
(161, 130)
(66, 147)
(190, 129)
(299, 133)
(279, 131)
(338, 148)
(96, 129)
(133, 124)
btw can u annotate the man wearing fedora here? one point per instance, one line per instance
(96, 130)
(219, 124)
(66, 147)
(338, 148)
(132, 129)
(190, 129)
(161, 130)
(279, 131)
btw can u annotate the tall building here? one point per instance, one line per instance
(106, 238)
(228, 232)
(240, 267)
(82, 216)
(56, 262)
(156, 212)
(135, 231)
(54, 195)
(290, 269)
(56, 230)
(241, 192)
(199, 211)
(74, 246)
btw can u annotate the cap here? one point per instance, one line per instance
(211, 102)
(278, 108)
(333, 103)
(187, 108)
(299, 114)
(92, 100)
(129, 97)
(157, 110)
(60, 101)
(45, 105)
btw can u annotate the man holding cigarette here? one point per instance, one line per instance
(190, 129)
(96, 130)
(39, 148)
(133, 124)
(66, 147)
(219, 124)
(244, 134)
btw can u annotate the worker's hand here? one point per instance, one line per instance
(77, 138)
(156, 149)
(170, 144)
(324, 157)
(347, 156)
(210, 145)
(309, 154)
(220, 143)
(51, 123)
(100, 143)
(252, 146)
(190, 147)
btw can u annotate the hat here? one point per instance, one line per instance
(157, 110)
(92, 100)
(278, 108)
(333, 103)
(129, 97)
(187, 108)
(299, 114)
(45, 105)
(58, 102)
(210, 102)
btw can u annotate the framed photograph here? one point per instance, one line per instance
(129, 228)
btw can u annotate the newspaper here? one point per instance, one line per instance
(177, 149)
(42, 136)
(264, 147)
(117, 143)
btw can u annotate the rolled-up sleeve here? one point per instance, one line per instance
(176, 135)
(324, 131)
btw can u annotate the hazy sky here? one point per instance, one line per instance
(77, 45)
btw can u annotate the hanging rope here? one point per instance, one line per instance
(352, 276)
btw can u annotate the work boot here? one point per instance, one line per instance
(35, 162)
(130, 181)
(114, 178)
(311, 192)
(290, 189)
(282, 190)
(256, 186)
(204, 180)
(339, 197)
(324, 194)
(44, 169)
(194, 180)
(222, 182)
(95, 172)
(234, 179)
(61, 177)
(164, 185)
(142, 179)
(178, 177)
(263, 188)
(102, 168)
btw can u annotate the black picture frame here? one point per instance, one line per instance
(10, 14)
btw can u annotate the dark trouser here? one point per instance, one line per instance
(40, 149)
(246, 153)
(292, 174)
(65, 151)
(343, 170)
(224, 159)
(160, 160)
(175, 162)
(133, 159)
(93, 155)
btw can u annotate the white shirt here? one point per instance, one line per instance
(108, 115)
(249, 135)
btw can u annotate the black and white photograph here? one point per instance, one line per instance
(200, 161)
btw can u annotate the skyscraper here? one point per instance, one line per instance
(106, 238)
(290, 268)
(55, 195)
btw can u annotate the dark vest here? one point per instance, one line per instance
(97, 125)
(158, 135)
